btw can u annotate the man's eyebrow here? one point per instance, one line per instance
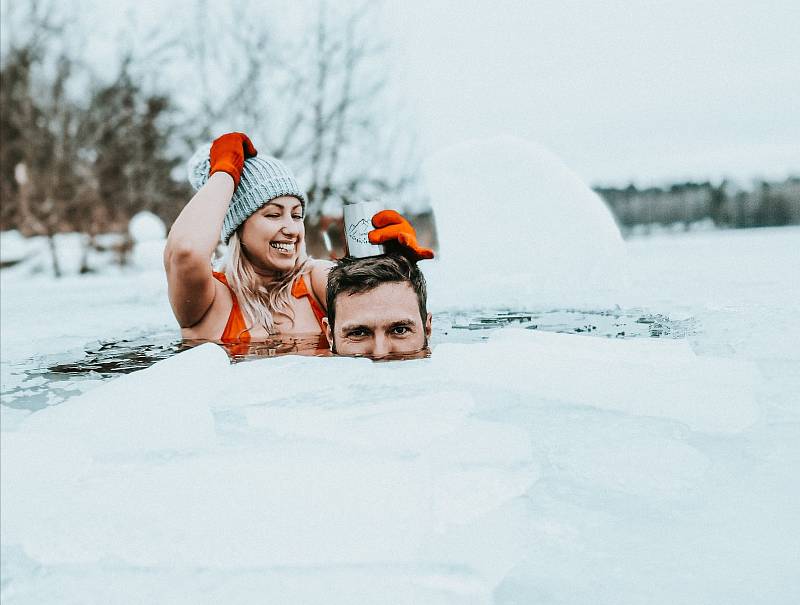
(401, 323)
(350, 327)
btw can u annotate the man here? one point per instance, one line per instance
(377, 308)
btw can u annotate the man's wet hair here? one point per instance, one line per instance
(356, 275)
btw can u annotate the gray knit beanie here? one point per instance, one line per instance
(264, 178)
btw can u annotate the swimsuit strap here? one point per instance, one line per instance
(236, 328)
(301, 289)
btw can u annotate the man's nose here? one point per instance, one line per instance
(381, 347)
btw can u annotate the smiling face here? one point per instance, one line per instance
(273, 237)
(384, 321)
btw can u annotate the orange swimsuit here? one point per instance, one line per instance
(236, 328)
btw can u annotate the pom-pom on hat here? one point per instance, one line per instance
(263, 179)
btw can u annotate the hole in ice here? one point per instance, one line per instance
(45, 381)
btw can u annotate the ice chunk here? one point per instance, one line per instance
(403, 426)
(106, 583)
(39, 472)
(165, 407)
(275, 505)
(645, 378)
(11, 418)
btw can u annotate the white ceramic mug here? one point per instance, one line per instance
(357, 224)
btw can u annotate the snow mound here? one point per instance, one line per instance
(146, 227)
(511, 217)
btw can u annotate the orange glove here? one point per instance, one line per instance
(391, 227)
(228, 153)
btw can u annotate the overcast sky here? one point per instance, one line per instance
(621, 89)
(649, 91)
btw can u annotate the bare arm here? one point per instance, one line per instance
(191, 242)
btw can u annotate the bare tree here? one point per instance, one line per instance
(80, 153)
(227, 54)
(37, 123)
(316, 98)
(84, 152)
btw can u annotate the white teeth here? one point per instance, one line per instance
(283, 246)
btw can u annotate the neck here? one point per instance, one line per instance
(266, 276)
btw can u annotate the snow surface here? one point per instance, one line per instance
(532, 468)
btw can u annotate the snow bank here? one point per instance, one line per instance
(32, 257)
(516, 226)
(35, 258)
(13, 247)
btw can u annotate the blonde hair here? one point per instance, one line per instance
(259, 303)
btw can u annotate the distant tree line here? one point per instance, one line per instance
(766, 204)
(84, 151)
(79, 153)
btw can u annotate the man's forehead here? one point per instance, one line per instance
(389, 302)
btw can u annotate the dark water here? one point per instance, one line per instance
(617, 323)
(49, 380)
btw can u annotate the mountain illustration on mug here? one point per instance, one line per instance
(358, 231)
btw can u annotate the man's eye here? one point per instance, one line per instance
(401, 330)
(356, 334)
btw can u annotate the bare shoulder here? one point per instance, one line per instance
(320, 268)
(319, 278)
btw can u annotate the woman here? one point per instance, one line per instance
(268, 284)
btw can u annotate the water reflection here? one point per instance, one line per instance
(312, 345)
(423, 353)
(315, 345)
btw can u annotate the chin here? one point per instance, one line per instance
(283, 264)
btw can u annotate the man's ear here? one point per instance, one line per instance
(328, 331)
(428, 325)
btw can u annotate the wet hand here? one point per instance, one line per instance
(391, 227)
(229, 152)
